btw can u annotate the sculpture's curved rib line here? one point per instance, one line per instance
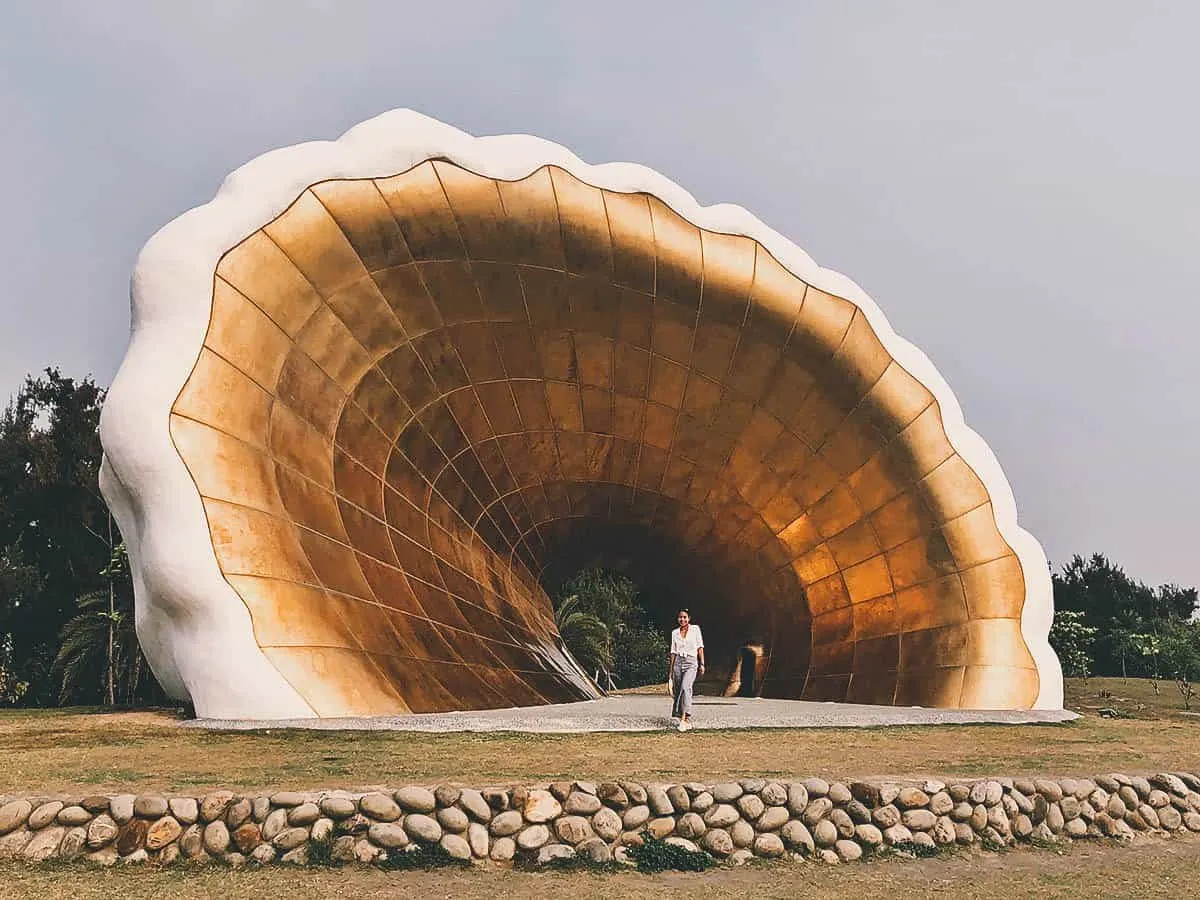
(196, 629)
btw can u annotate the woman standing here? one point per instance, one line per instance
(687, 655)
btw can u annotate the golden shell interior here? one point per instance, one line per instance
(424, 399)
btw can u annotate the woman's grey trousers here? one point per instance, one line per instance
(683, 676)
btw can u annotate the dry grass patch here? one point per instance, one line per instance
(82, 751)
(1149, 869)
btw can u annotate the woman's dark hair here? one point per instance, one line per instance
(684, 609)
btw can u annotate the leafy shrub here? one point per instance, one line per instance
(425, 856)
(1072, 639)
(320, 853)
(639, 655)
(529, 863)
(656, 855)
(606, 624)
(991, 844)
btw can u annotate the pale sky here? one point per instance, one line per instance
(1016, 184)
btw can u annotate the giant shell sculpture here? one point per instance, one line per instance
(384, 393)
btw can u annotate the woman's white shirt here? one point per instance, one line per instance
(687, 645)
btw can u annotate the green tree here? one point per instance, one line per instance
(17, 581)
(640, 655)
(585, 635)
(12, 689)
(53, 521)
(637, 649)
(1072, 639)
(66, 598)
(1128, 615)
(610, 597)
(99, 657)
(1125, 642)
(1179, 646)
(1177, 602)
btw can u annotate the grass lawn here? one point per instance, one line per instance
(1148, 869)
(85, 751)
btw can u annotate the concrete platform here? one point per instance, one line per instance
(650, 712)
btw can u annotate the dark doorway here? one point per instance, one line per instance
(749, 671)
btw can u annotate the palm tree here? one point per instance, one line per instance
(100, 643)
(586, 637)
(82, 657)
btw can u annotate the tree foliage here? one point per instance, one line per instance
(98, 657)
(1126, 613)
(586, 636)
(1124, 626)
(1072, 639)
(1179, 646)
(56, 546)
(640, 655)
(52, 519)
(636, 651)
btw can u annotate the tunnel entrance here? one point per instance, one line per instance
(728, 600)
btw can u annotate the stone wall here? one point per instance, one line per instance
(733, 820)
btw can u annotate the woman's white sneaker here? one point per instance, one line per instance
(685, 726)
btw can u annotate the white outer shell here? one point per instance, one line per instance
(195, 630)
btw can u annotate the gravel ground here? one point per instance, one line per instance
(642, 712)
